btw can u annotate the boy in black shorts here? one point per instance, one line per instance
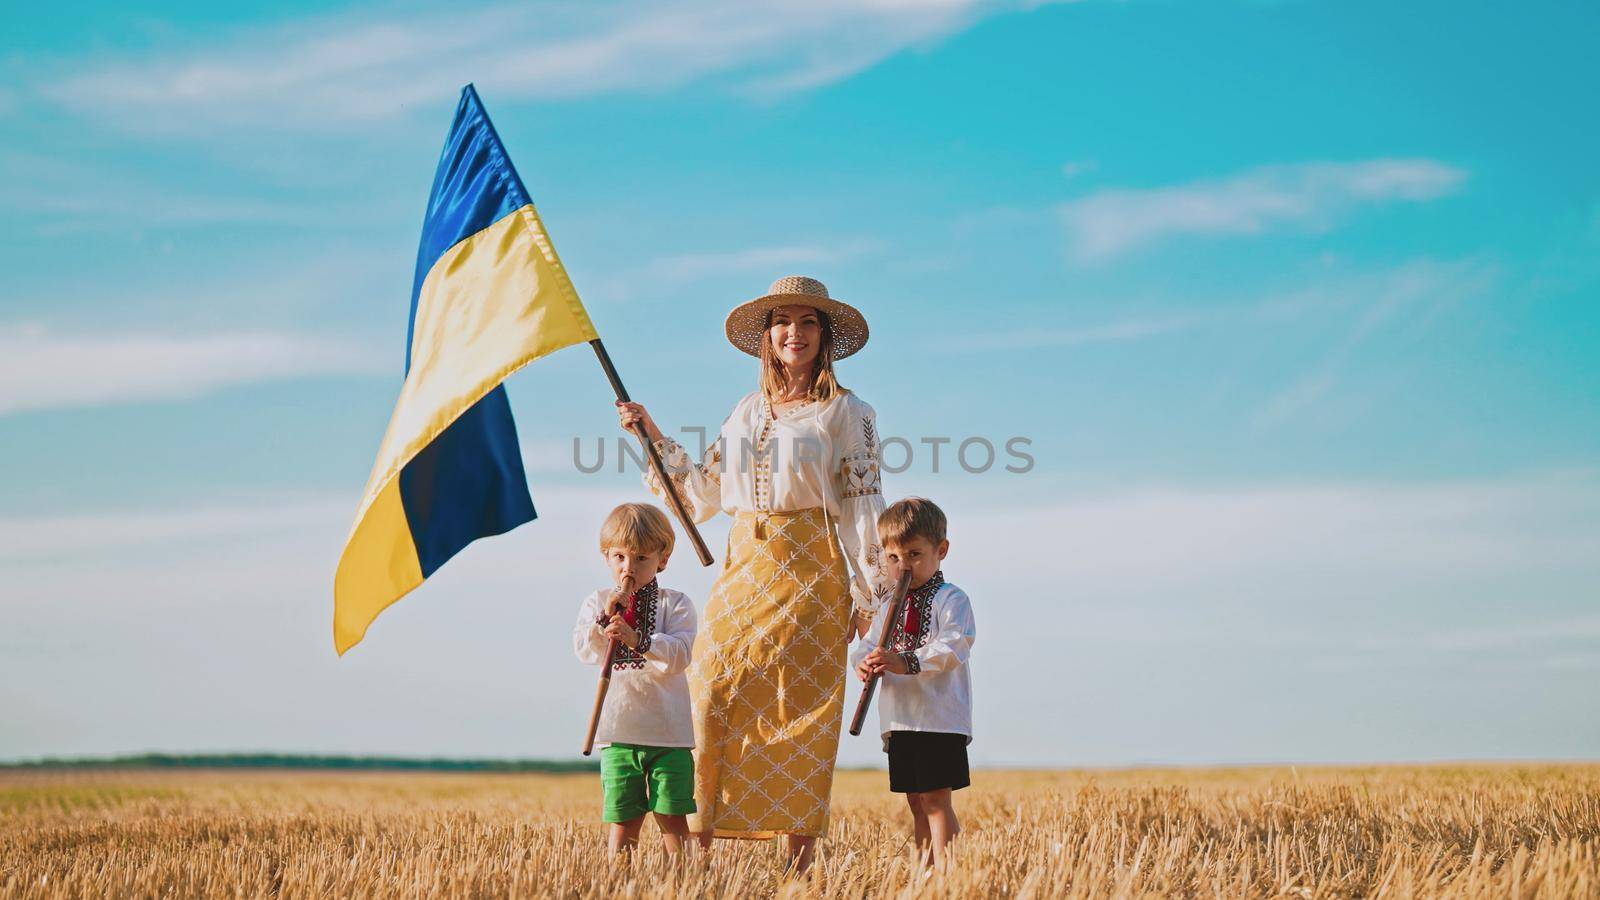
(925, 715)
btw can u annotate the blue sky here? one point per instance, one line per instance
(1296, 302)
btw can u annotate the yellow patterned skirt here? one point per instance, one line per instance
(768, 678)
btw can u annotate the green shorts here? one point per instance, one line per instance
(639, 779)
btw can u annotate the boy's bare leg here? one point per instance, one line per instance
(625, 835)
(800, 847)
(674, 829)
(703, 838)
(919, 824)
(942, 823)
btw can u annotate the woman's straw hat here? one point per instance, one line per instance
(748, 322)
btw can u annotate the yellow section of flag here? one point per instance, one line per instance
(490, 305)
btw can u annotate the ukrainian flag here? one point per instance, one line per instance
(490, 296)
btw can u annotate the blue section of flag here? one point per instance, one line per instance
(469, 481)
(474, 187)
(467, 484)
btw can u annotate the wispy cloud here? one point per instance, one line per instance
(1118, 331)
(1521, 635)
(326, 71)
(1360, 534)
(42, 369)
(1415, 293)
(141, 597)
(1076, 167)
(1110, 223)
(1365, 303)
(55, 194)
(774, 259)
(756, 266)
(79, 537)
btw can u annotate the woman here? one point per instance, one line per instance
(795, 457)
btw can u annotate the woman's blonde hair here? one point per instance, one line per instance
(637, 528)
(823, 386)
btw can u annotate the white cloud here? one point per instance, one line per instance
(756, 267)
(1112, 222)
(43, 369)
(80, 537)
(60, 195)
(1360, 533)
(1076, 167)
(1521, 635)
(350, 70)
(1135, 603)
(228, 608)
(1119, 331)
(1300, 394)
(690, 266)
(1413, 294)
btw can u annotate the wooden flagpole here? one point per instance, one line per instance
(673, 500)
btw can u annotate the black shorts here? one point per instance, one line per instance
(921, 761)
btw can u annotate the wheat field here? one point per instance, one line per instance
(1456, 831)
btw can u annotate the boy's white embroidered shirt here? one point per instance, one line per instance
(939, 697)
(647, 705)
(817, 454)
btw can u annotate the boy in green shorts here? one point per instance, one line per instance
(645, 729)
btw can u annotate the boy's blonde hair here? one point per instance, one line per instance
(910, 518)
(823, 386)
(638, 528)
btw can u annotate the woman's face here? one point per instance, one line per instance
(796, 336)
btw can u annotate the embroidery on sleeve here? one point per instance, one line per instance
(676, 461)
(878, 579)
(880, 593)
(861, 476)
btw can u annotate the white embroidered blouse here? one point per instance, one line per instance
(814, 454)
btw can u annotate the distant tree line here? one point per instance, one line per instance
(303, 761)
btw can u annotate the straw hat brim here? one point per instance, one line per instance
(747, 322)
